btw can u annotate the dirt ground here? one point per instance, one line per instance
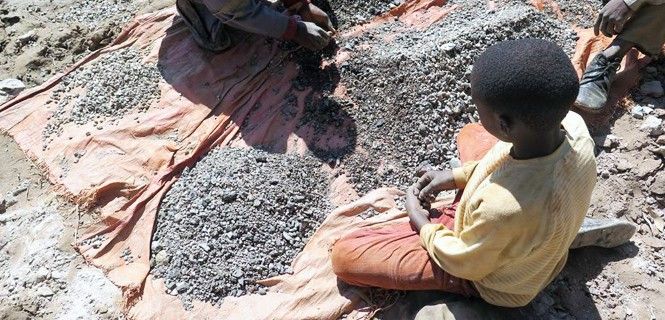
(40, 38)
(41, 277)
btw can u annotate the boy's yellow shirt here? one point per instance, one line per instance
(517, 218)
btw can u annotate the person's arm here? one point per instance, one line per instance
(254, 17)
(250, 16)
(478, 250)
(431, 183)
(463, 173)
(309, 12)
(418, 215)
(616, 13)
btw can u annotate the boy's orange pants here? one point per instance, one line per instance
(392, 257)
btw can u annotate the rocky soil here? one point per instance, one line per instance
(40, 38)
(41, 276)
(237, 216)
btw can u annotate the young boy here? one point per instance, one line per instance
(522, 204)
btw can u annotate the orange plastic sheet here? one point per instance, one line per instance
(206, 101)
(548, 5)
(418, 14)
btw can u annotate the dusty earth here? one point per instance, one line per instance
(42, 277)
(40, 38)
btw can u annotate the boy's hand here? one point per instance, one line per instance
(612, 18)
(310, 36)
(418, 215)
(433, 182)
(312, 13)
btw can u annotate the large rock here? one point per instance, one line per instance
(461, 310)
(606, 141)
(162, 258)
(653, 126)
(660, 150)
(646, 167)
(661, 140)
(45, 292)
(27, 38)
(640, 112)
(658, 186)
(652, 88)
(42, 274)
(11, 86)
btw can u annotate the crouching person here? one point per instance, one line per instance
(508, 232)
(215, 23)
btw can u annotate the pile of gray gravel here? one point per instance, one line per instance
(92, 13)
(411, 95)
(579, 13)
(347, 13)
(238, 216)
(115, 85)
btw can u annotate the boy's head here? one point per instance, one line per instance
(523, 87)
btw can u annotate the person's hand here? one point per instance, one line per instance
(310, 36)
(312, 13)
(432, 182)
(418, 215)
(612, 18)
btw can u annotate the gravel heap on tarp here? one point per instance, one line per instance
(412, 93)
(347, 13)
(92, 13)
(115, 85)
(238, 216)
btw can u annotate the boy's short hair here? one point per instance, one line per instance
(530, 79)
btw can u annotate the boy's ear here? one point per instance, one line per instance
(505, 125)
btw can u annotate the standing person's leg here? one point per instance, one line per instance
(392, 257)
(644, 31)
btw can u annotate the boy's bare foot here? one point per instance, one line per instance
(606, 233)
